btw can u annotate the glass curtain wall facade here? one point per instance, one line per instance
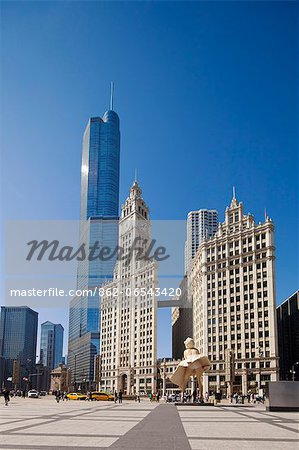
(18, 337)
(288, 337)
(98, 226)
(51, 344)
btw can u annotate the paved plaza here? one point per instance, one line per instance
(44, 424)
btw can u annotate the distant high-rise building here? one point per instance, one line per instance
(129, 319)
(18, 336)
(182, 320)
(201, 225)
(51, 344)
(232, 282)
(99, 226)
(288, 337)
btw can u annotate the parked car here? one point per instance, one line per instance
(32, 394)
(43, 393)
(76, 396)
(102, 396)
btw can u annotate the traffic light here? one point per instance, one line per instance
(16, 372)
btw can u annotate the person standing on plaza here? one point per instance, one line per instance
(120, 396)
(194, 395)
(6, 396)
(115, 397)
(58, 396)
(158, 397)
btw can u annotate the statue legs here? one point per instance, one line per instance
(199, 373)
(187, 375)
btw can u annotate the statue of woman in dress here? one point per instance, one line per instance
(192, 364)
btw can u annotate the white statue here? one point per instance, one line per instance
(192, 364)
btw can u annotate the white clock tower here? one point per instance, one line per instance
(129, 307)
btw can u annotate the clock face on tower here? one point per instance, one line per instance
(142, 227)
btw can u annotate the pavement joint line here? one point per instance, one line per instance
(110, 419)
(264, 413)
(73, 435)
(218, 421)
(229, 421)
(208, 438)
(51, 420)
(69, 412)
(47, 447)
(274, 424)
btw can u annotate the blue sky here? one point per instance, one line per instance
(207, 97)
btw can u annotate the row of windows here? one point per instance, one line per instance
(235, 318)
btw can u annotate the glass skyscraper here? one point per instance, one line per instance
(51, 344)
(18, 336)
(99, 223)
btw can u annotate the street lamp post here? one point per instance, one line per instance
(75, 368)
(293, 371)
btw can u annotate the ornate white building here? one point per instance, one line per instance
(129, 315)
(233, 287)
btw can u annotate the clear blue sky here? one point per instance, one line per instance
(207, 96)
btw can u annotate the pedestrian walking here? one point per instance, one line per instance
(58, 396)
(120, 396)
(115, 397)
(158, 397)
(6, 396)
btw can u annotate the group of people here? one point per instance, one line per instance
(194, 397)
(154, 397)
(7, 394)
(254, 398)
(60, 395)
(186, 397)
(118, 396)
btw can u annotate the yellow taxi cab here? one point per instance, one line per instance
(102, 396)
(76, 396)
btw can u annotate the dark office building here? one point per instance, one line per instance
(18, 335)
(288, 337)
(182, 321)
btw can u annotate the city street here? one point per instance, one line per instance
(44, 424)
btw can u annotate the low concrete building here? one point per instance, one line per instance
(60, 378)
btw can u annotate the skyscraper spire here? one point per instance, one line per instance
(234, 192)
(135, 179)
(111, 95)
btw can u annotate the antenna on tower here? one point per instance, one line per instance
(135, 174)
(234, 192)
(111, 95)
